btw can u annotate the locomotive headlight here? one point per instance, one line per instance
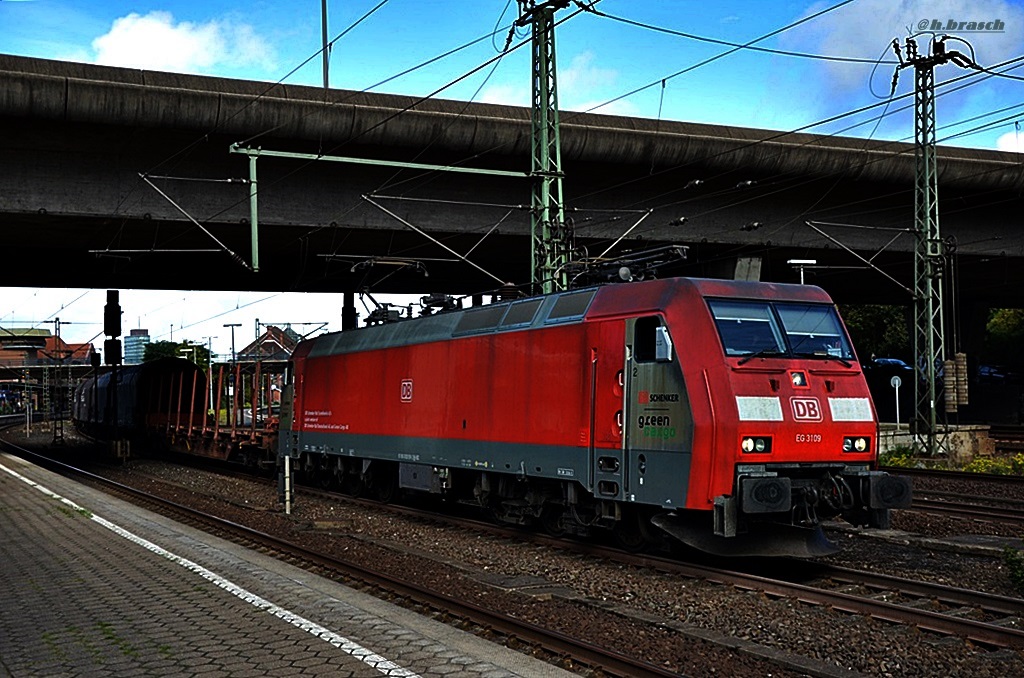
(855, 444)
(760, 445)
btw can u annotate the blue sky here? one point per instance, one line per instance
(600, 60)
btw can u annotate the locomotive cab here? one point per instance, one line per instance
(794, 436)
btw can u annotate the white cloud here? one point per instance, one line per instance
(1012, 142)
(582, 76)
(865, 29)
(507, 95)
(580, 87)
(155, 41)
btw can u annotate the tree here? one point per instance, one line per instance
(1003, 337)
(169, 349)
(878, 330)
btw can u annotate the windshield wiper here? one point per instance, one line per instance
(826, 356)
(764, 352)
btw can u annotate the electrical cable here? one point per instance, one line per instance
(999, 75)
(591, 9)
(733, 50)
(739, 46)
(223, 313)
(267, 90)
(802, 128)
(394, 115)
(722, 54)
(878, 119)
(204, 137)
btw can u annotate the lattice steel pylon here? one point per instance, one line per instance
(551, 237)
(929, 253)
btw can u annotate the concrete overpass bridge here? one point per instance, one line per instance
(119, 178)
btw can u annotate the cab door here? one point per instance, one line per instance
(658, 426)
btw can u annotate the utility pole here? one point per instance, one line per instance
(234, 386)
(326, 46)
(209, 368)
(57, 403)
(930, 253)
(551, 237)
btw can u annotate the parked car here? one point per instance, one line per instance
(887, 365)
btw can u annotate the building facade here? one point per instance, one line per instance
(135, 346)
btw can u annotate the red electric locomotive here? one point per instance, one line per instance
(731, 415)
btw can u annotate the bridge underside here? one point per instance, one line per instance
(76, 212)
(47, 251)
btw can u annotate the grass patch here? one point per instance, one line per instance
(50, 641)
(126, 648)
(72, 512)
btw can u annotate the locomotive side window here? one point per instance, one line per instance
(480, 320)
(747, 327)
(814, 330)
(571, 306)
(651, 341)
(521, 313)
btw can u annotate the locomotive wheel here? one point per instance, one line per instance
(631, 533)
(353, 485)
(384, 483)
(550, 520)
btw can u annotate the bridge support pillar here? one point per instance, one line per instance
(747, 268)
(349, 317)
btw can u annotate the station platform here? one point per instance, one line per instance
(93, 586)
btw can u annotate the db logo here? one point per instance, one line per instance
(406, 390)
(645, 397)
(806, 409)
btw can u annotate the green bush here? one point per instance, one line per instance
(995, 465)
(1015, 567)
(900, 455)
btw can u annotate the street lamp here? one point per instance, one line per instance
(801, 264)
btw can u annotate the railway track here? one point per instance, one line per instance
(973, 496)
(997, 621)
(553, 643)
(988, 619)
(970, 510)
(1008, 438)
(946, 475)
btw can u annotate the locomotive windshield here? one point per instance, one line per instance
(765, 328)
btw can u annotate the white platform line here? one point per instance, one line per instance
(352, 648)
